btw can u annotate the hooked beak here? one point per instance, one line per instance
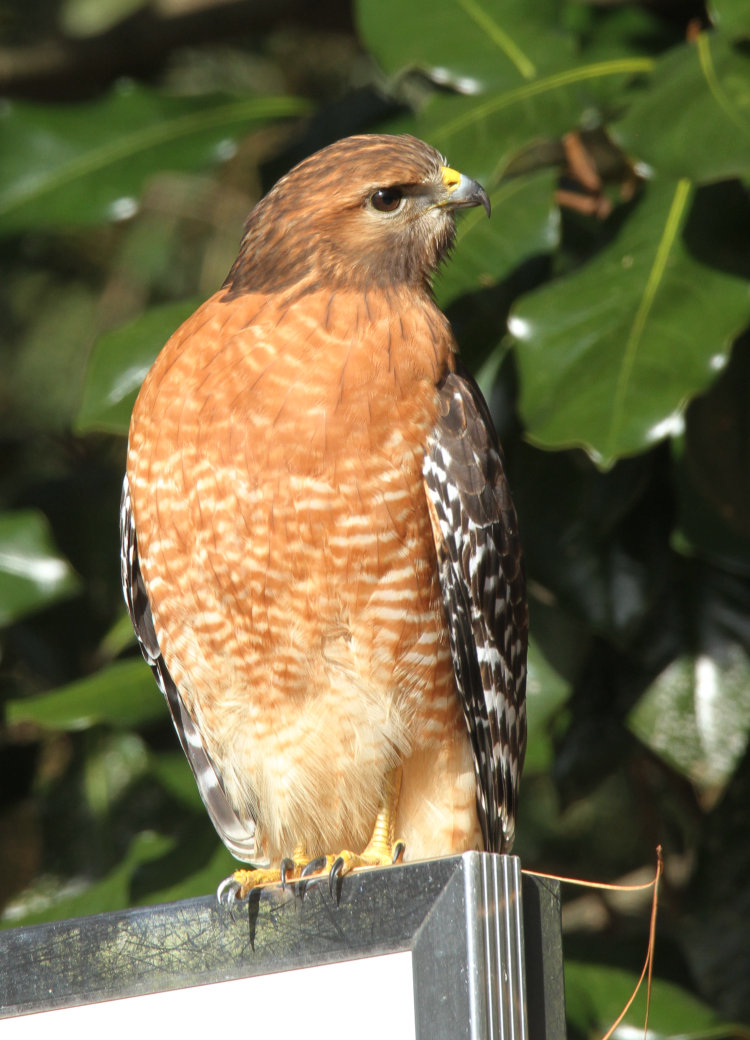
(462, 192)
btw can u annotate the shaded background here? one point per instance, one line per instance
(604, 309)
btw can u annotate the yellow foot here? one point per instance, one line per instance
(240, 884)
(382, 851)
(346, 861)
(375, 855)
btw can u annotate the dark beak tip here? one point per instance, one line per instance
(467, 194)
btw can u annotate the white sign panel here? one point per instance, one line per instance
(370, 999)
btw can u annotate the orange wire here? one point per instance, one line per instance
(649, 962)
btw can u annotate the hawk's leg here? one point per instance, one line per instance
(382, 850)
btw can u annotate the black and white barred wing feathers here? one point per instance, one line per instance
(237, 835)
(483, 590)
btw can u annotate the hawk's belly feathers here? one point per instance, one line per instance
(285, 541)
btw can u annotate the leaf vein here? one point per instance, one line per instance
(141, 140)
(712, 82)
(653, 283)
(499, 37)
(497, 102)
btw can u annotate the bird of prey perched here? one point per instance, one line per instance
(320, 554)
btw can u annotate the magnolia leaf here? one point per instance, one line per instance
(696, 716)
(693, 120)
(78, 164)
(610, 355)
(469, 45)
(119, 363)
(32, 573)
(595, 995)
(123, 694)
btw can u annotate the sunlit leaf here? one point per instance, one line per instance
(483, 133)
(694, 118)
(696, 716)
(119, 363)
(32, 573)
(610, 355)
(595, 994)
(471, 45)
(73, 164)
(122, 694)
(732, 17)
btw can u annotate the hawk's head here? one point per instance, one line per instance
(372, 210)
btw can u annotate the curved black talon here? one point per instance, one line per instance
(226, 893)
(284, 867)
(313, 867)
(335, 873)
(398, 852)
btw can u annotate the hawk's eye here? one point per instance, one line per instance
(387, 200)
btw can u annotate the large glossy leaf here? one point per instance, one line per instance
(697, 716)
(484, 132)
(77, 164)
(32, 573)
(122, 694)
(731, 16)
(610, 355)
(694, 118)
(119, 363)
(471, 45)
(595, 995)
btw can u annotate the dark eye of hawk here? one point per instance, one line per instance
(387, 200)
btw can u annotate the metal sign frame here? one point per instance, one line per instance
(486, 954)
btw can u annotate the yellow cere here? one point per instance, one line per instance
(450, 177)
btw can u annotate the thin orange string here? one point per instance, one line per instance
(649, 962)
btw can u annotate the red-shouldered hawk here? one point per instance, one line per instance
(319, 549)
